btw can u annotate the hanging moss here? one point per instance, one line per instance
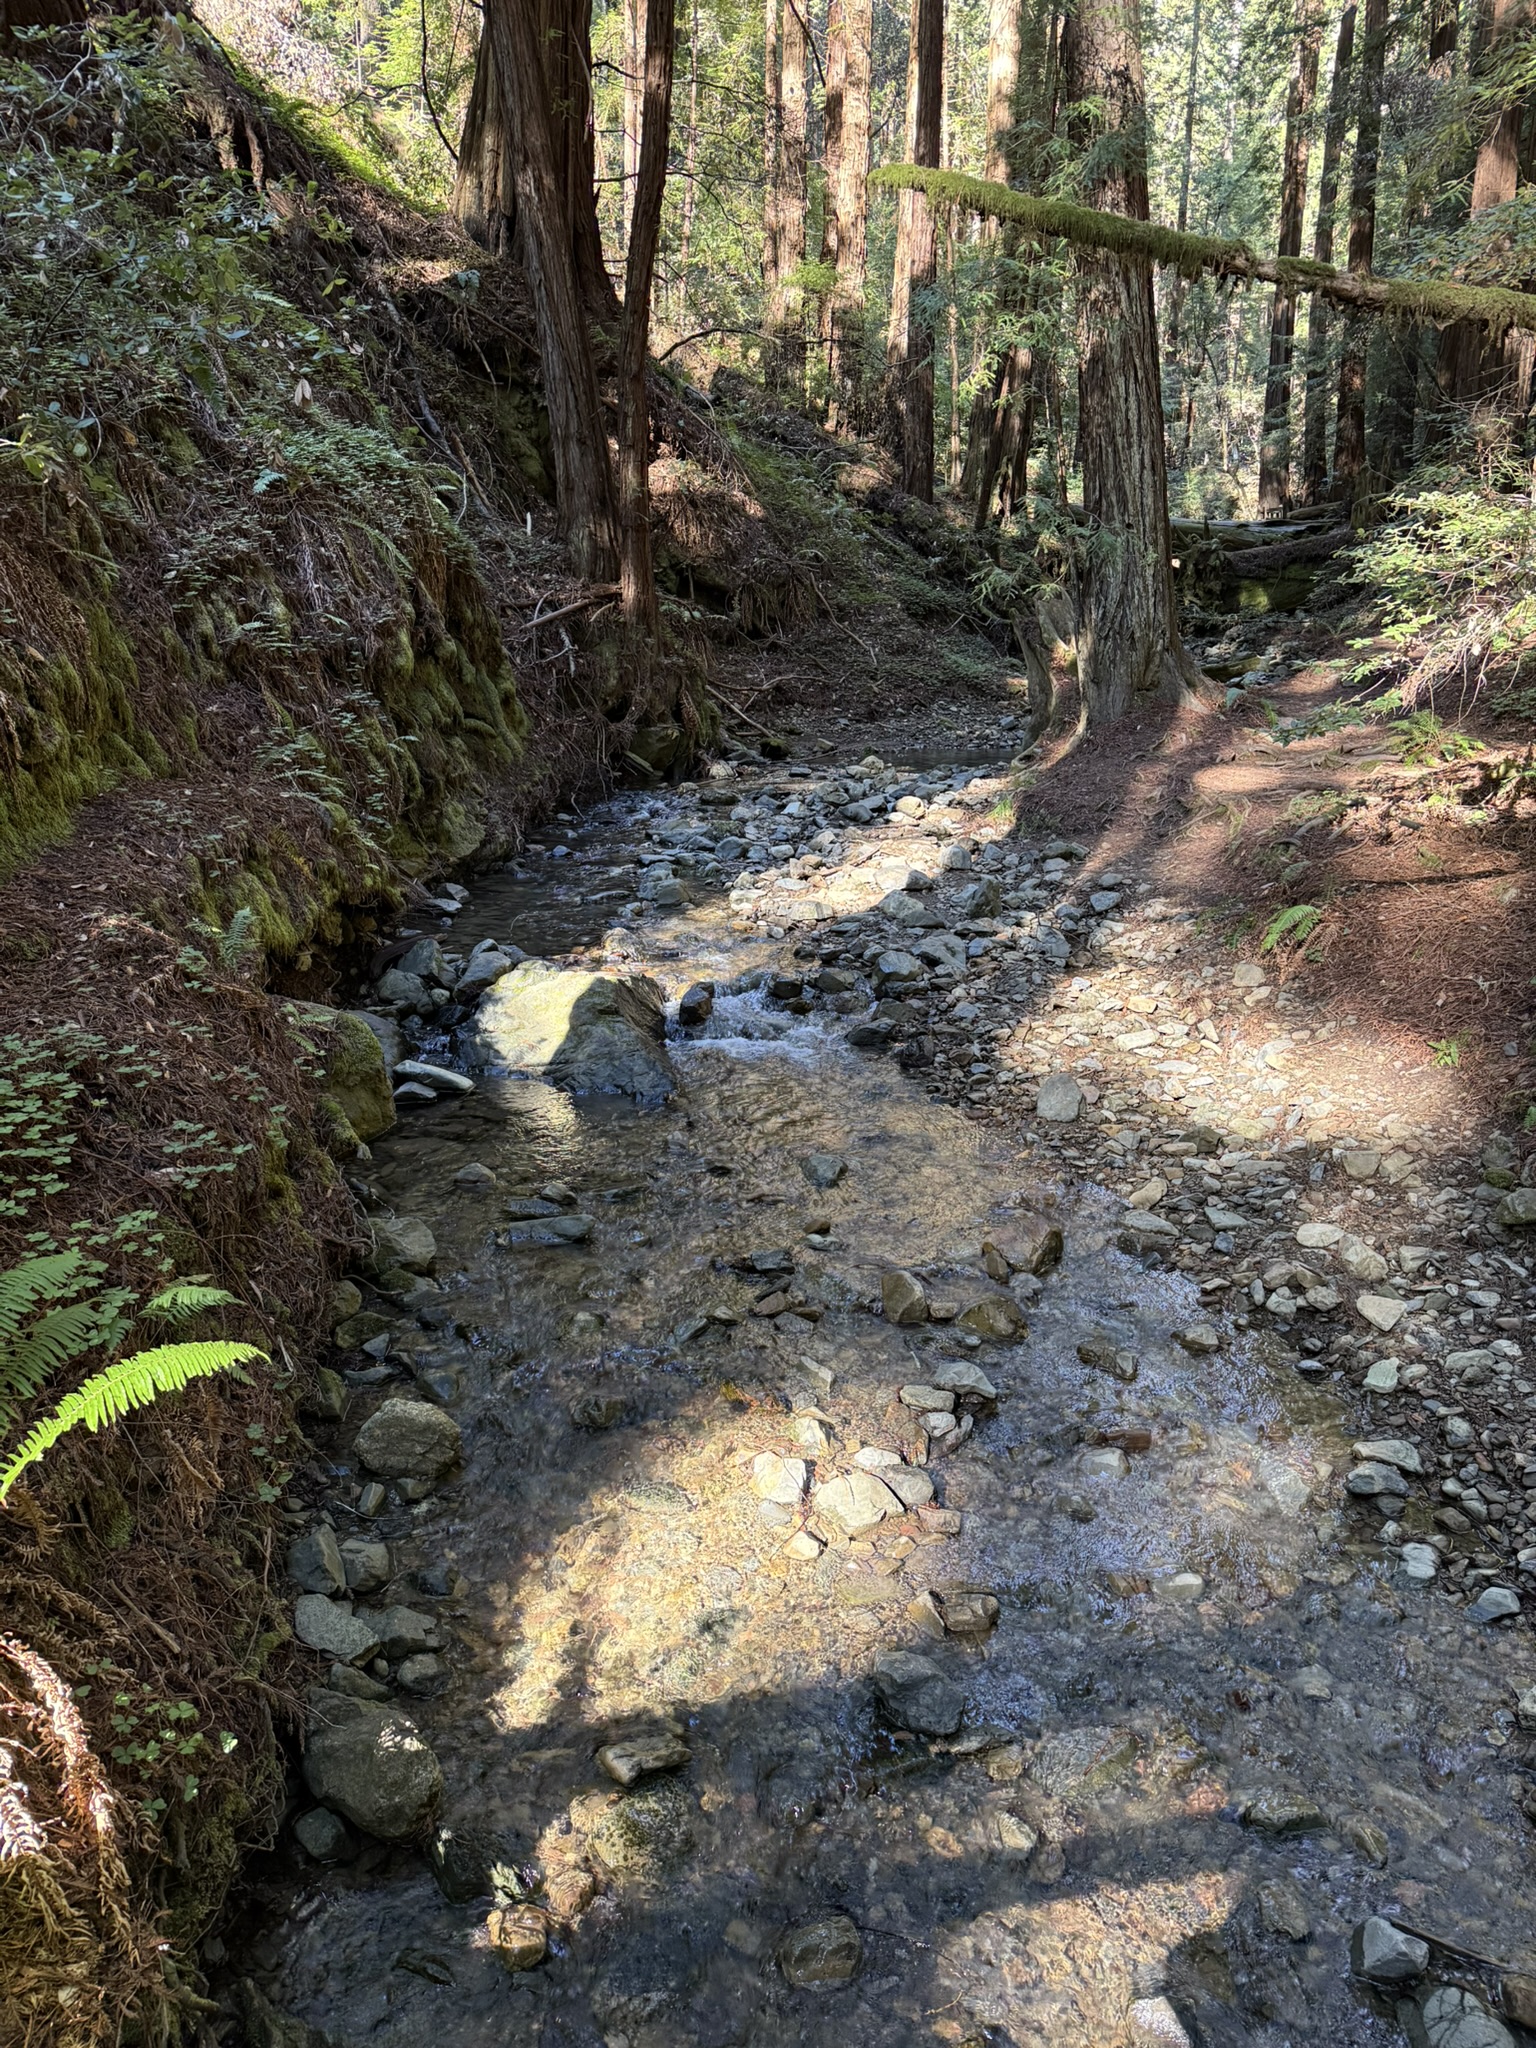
(1416, 298)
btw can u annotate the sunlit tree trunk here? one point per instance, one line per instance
(583, 474)
(637, 580)
(1471, 365)
(1315, 432)
(909, 336)
(1002, 87)
(1349, 437)
(786, 322)
(1128, 643)
(773, 147)
(845, 237)
(1187, 168)
(1275, 445)
(634, 93)
(690, 168)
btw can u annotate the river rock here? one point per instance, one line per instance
(1277, 1810)
(696, 1004)
(1452, 2018)
(366, 1564)
(821, 1953)
(902, 1299)
(856, 1501)
(403, 1631)
(333, 1629)
(914, 1693)
(373, 1767)
(518, 1936)
(402, 1241)
(910, 1484)
(1369, 1480)
(1077, 1761)
(325, 1836)
(587, 1032)
(1319, 1237)
(315, 1561)
(1517, 1211)
(1382, 1311)
(1024, 1244)
(1153, 2023)
(1359, 1261)
(1383, 1954)
(995, 1316)
(1060, 1099)
(409, 1440)
(824, 1169)
(640, 1756)
(646, 1832)
(778, 1479)
(1494, 1603)
(1392, 1450)
(355, 1074)
(1283, 1910)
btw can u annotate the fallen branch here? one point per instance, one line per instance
(1414, 298)
(597, 595)
(745, 716)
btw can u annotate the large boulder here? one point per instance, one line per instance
(355, 1071)
(591, 1033)
(371, 1764)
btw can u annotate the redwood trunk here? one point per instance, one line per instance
(1128, 643)
(583, 475)
(1471, 365)
(1315, 432)
(909, 337)
(1349, 439)
(637, 579)
(785, 355)
(1275, 445)
(845, 238)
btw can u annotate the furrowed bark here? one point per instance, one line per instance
(637, 579)
(1315, 432)
(1275, 443)
(909, 337)
(1349, 434)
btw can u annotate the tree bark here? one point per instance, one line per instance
(1275, 442)
(1128, 643)
(690, 168)
(635, 44)
(1349, 436)
(484, 193)
(787, 315)
(637, 579)
(909, 344)
(1471, 364)
(773, 147)
(845, 240)
(583, 475)
(1315, 431)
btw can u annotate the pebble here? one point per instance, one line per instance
(1153, 2023)
(821, 1954)
(640, 1756)
(781, 1480)
(1279, 1811)
(902, 1298)
(1450, 2017)
(1494, 1603)
(1381, 1311)
(1060, 1100)
(518, 1935)
(333, 1629)
(857, 1501)
(913, 1693)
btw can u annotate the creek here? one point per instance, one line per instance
(1206, 1733)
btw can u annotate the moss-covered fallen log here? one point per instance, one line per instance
(1411, 298)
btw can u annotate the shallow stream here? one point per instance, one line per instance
(1186, 1616)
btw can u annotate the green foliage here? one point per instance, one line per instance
(1446, 1052)
(39, 1092)
(1424, 739)
(1296, 924)
(106, 1397)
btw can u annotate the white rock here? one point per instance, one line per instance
(1318, 1237)
(778, 1479)
(1152, 2022)
(1391, 1450)
(1420, 1562)
(1382, 1377)
(857, 1502)
(1110, 1463)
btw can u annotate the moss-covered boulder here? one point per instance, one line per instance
(355, 1076)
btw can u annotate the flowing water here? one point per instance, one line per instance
(1187, 1616)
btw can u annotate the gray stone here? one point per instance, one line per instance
(895, 969)
(373, 1767)
(824, 1169)
(856, 1501)
(995, 1316)
(1452, 2018)
(910, 1483)
(443, 1080)
(903, 908)
(980, 898)
(1025, 1243)
(957, 1376)
(1359, 1261)
(582, 1030)
(1079, 1761)
(1362, 1164)
(1383, 1954)
(1318, 1237)
(425, 1675)
(315, 1561)
(1060, 1099)
(1367, 1481)
(1381, 1311)
(696, 1004)
(914, 1694)
(366, 1564)
(1392, 1450)
(333, 1630)
(403, 1631)
(402, 1241)
(821, 1954)
(1494, 1603)
(325, 1836)
(485, 969)
(355, 1684)
(640, 1756)
(1517, 1211)
(902, 1299)
(409, 1440)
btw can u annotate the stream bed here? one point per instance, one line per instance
(1204, 1729)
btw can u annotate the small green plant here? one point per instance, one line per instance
(1423, 739)
(1297, 924)
(1446, 1052)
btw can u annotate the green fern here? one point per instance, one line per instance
(186, 1299)
(1298, 923)
(106, 1397)
(29, 1357)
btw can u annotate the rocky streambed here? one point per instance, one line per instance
(796, 1556)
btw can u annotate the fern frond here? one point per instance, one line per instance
(106, 1397)
(35, 1280)
(64, 1334)
(180, 1303)
(1297, 924)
